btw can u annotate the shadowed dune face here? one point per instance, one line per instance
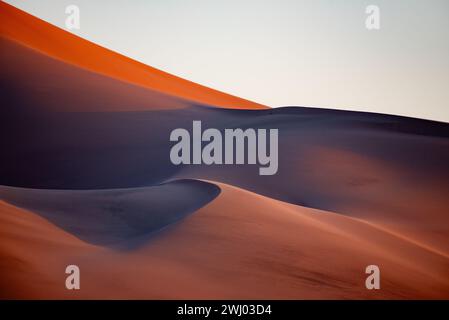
(85, 170)
(54, 85)
(110, 217)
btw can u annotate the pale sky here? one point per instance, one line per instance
(283, 53)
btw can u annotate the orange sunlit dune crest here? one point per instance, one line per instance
(39, 35)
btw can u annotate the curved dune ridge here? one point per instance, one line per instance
(95, 187)
(49, 40)
(108, 217)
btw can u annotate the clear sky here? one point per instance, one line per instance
(279, 52)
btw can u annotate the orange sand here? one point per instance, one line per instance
(241, 245)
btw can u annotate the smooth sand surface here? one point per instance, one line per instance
(353, 189)
(241, 245)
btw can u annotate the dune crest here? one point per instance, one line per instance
(108, 217)
(35, 33)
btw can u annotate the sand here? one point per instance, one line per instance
(85, 179)
(241, 245)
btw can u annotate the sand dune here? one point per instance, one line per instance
(241, 245)
(95, 187)
(388, 177)
(57, 43)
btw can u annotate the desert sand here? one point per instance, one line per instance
(86, 179)
(241, 245)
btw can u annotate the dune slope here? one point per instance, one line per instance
(52, 84)
(94, 186)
